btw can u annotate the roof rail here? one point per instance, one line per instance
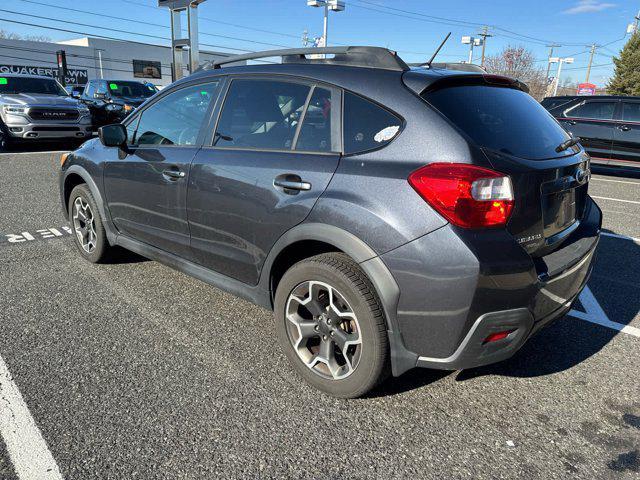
(373, 57)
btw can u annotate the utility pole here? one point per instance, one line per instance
(551, 47)
(484, 34)
(593, 51)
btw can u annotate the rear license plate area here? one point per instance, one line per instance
(558, 211)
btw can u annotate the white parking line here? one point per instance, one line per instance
(615, 181)
(616, 199)
(621, 237)
(27, 450)
(595, 314)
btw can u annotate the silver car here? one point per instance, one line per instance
(36, 108)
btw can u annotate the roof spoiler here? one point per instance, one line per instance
(421, 83)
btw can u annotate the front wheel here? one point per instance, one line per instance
(90, 236)
(331, 325)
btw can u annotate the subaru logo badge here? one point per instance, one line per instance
(581, 175)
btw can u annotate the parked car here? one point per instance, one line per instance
(36, 108)
(75, 90)
(392, 218)
(608, 126)
(110, 101)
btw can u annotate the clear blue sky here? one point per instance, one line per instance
(413, 31)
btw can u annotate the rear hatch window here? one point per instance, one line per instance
(505, 120)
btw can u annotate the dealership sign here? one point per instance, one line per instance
(74, 76)
(586, 89)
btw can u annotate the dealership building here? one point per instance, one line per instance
(90, 57)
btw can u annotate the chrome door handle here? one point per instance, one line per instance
(291, 183)
(624, 128)
(173, 174)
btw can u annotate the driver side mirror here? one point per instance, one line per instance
(113, 135)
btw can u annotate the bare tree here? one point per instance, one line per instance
(15, 36)
(520, 63)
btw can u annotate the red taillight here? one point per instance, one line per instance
(494, 337)
(466, 195)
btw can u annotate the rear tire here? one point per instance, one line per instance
(89, 234)
(331, 325)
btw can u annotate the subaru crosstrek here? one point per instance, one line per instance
(391, 217)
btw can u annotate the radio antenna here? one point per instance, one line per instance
(428, 64)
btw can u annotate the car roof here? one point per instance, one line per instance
(19, 75)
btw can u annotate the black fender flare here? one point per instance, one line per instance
(373, 266)
(95, 192)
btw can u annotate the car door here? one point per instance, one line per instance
(626, 134)
(593, 122)
(146, 186)
(275, 148)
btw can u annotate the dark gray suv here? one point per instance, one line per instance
(392, 217)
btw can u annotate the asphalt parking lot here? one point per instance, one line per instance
(133, 370)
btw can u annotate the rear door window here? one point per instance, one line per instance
(261, 114)
(502, 119)
(631, 112)
(592, 110)
(367, 126)
(319, 131)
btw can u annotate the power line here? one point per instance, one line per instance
(147, 35)
(200, 17)
(148, 23)
(455, 22)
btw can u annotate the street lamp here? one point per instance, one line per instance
(559, 61)
(472, 42)
(333, 5)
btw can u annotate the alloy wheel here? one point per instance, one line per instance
(323, 330)
(84, 224)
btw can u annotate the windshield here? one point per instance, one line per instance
(131, 89)
(38, 86)
(502, 119)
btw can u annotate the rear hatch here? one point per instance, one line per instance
(509, 129)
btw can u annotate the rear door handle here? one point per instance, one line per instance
(173, 174)
(624, 128)
(291, 183)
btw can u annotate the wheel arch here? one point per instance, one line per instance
(316, 237)
(76, 175)
(307, 240)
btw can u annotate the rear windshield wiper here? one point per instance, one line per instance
(567, 143)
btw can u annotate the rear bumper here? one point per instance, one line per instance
(457, 288)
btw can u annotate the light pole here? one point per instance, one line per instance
(472, 42)
(178, 42)
(559, 61)
(333, 5)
